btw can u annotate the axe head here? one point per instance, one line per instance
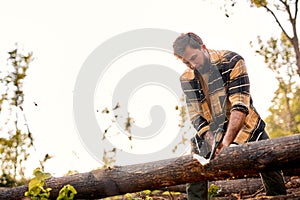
(203, 161)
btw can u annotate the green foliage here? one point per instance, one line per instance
(68, 192)
(36, 190)
(259, 3)
(284, 112)
(213, 191)
(280, 56)
(285, 15)
(15, 137)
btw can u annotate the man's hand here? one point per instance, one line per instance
(236, 122)
(202, 144)
(219, 149)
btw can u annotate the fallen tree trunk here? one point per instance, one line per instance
(247, 185)
(234, 162)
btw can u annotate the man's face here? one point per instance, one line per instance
(195, 58)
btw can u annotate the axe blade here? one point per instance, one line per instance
(203, 161)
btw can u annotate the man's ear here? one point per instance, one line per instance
(203, 47)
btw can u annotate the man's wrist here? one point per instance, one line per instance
(226, 142)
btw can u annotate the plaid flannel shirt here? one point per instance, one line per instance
(233, 72)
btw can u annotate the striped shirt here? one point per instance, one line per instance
(229, 89)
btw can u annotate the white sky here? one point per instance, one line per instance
(62, 34)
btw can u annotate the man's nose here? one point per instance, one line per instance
(193, 64)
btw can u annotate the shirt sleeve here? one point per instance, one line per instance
(239, 87)
(193, 98)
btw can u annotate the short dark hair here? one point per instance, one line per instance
(183, 41)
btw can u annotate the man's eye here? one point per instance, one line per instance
(193, 57)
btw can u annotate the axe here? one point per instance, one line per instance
(218, 137)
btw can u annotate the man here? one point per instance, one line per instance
(217, 91)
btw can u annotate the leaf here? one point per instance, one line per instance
(41, 175)
(68, 192)
(259, 3)
(35, 184)
(36, 188)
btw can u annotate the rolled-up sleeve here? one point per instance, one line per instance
(193, 97)
(239, 87)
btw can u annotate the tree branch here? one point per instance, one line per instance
(278, 22)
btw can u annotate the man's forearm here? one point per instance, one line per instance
(236, 122)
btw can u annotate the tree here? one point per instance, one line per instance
(280, 58)
(15, 137)
(282, 10)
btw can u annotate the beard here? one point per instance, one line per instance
(205, 68)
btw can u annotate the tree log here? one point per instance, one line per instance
(247, 185)
(235, 162)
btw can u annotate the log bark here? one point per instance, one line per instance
(247, 186)
(235, 162)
